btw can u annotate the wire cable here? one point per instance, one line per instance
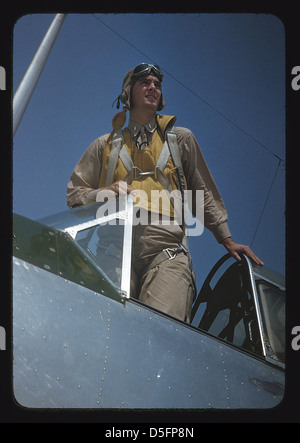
(280, 160)
(193, 92)
(265, 204)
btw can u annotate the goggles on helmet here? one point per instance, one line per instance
(145, 68)
(133, 74)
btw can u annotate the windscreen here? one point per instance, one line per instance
(104, 243)
(272, 301)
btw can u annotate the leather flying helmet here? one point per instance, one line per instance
(129, 80)
(131, 77)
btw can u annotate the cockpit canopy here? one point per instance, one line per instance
(239, 303)
(90, 245)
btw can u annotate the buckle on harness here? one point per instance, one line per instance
(183, 248)
(138, 173)
(171, 252)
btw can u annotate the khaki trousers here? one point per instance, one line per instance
(168, 286)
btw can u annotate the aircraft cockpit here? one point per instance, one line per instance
(239, 303)
(244, 304)
(75, 324)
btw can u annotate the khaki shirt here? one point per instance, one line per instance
(83, 184)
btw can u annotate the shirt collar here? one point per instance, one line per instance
(135, 127)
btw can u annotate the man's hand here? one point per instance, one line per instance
(120, 188)
(235, 249)
(117, 188)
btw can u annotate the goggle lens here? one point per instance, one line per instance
(145, 68)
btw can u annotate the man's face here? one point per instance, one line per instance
(146, 92)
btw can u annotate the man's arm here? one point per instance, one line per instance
(215, 215)
(198, 177)
(83, 184)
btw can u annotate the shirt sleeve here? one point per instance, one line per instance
(198, 177)
(83, 184)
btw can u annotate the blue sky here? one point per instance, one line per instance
(224, 78)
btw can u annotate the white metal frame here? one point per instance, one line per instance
(268, 355)
(125, 214)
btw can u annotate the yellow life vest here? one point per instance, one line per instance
(151, 171)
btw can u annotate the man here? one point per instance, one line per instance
(127, 162)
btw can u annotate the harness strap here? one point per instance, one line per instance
(126, 159)
(170, 146)
(174, 150)
(135, 173)
(167, 254)
(160, 166)
(117, 142)
(170, 254)
(175, 154)
(163, 157)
